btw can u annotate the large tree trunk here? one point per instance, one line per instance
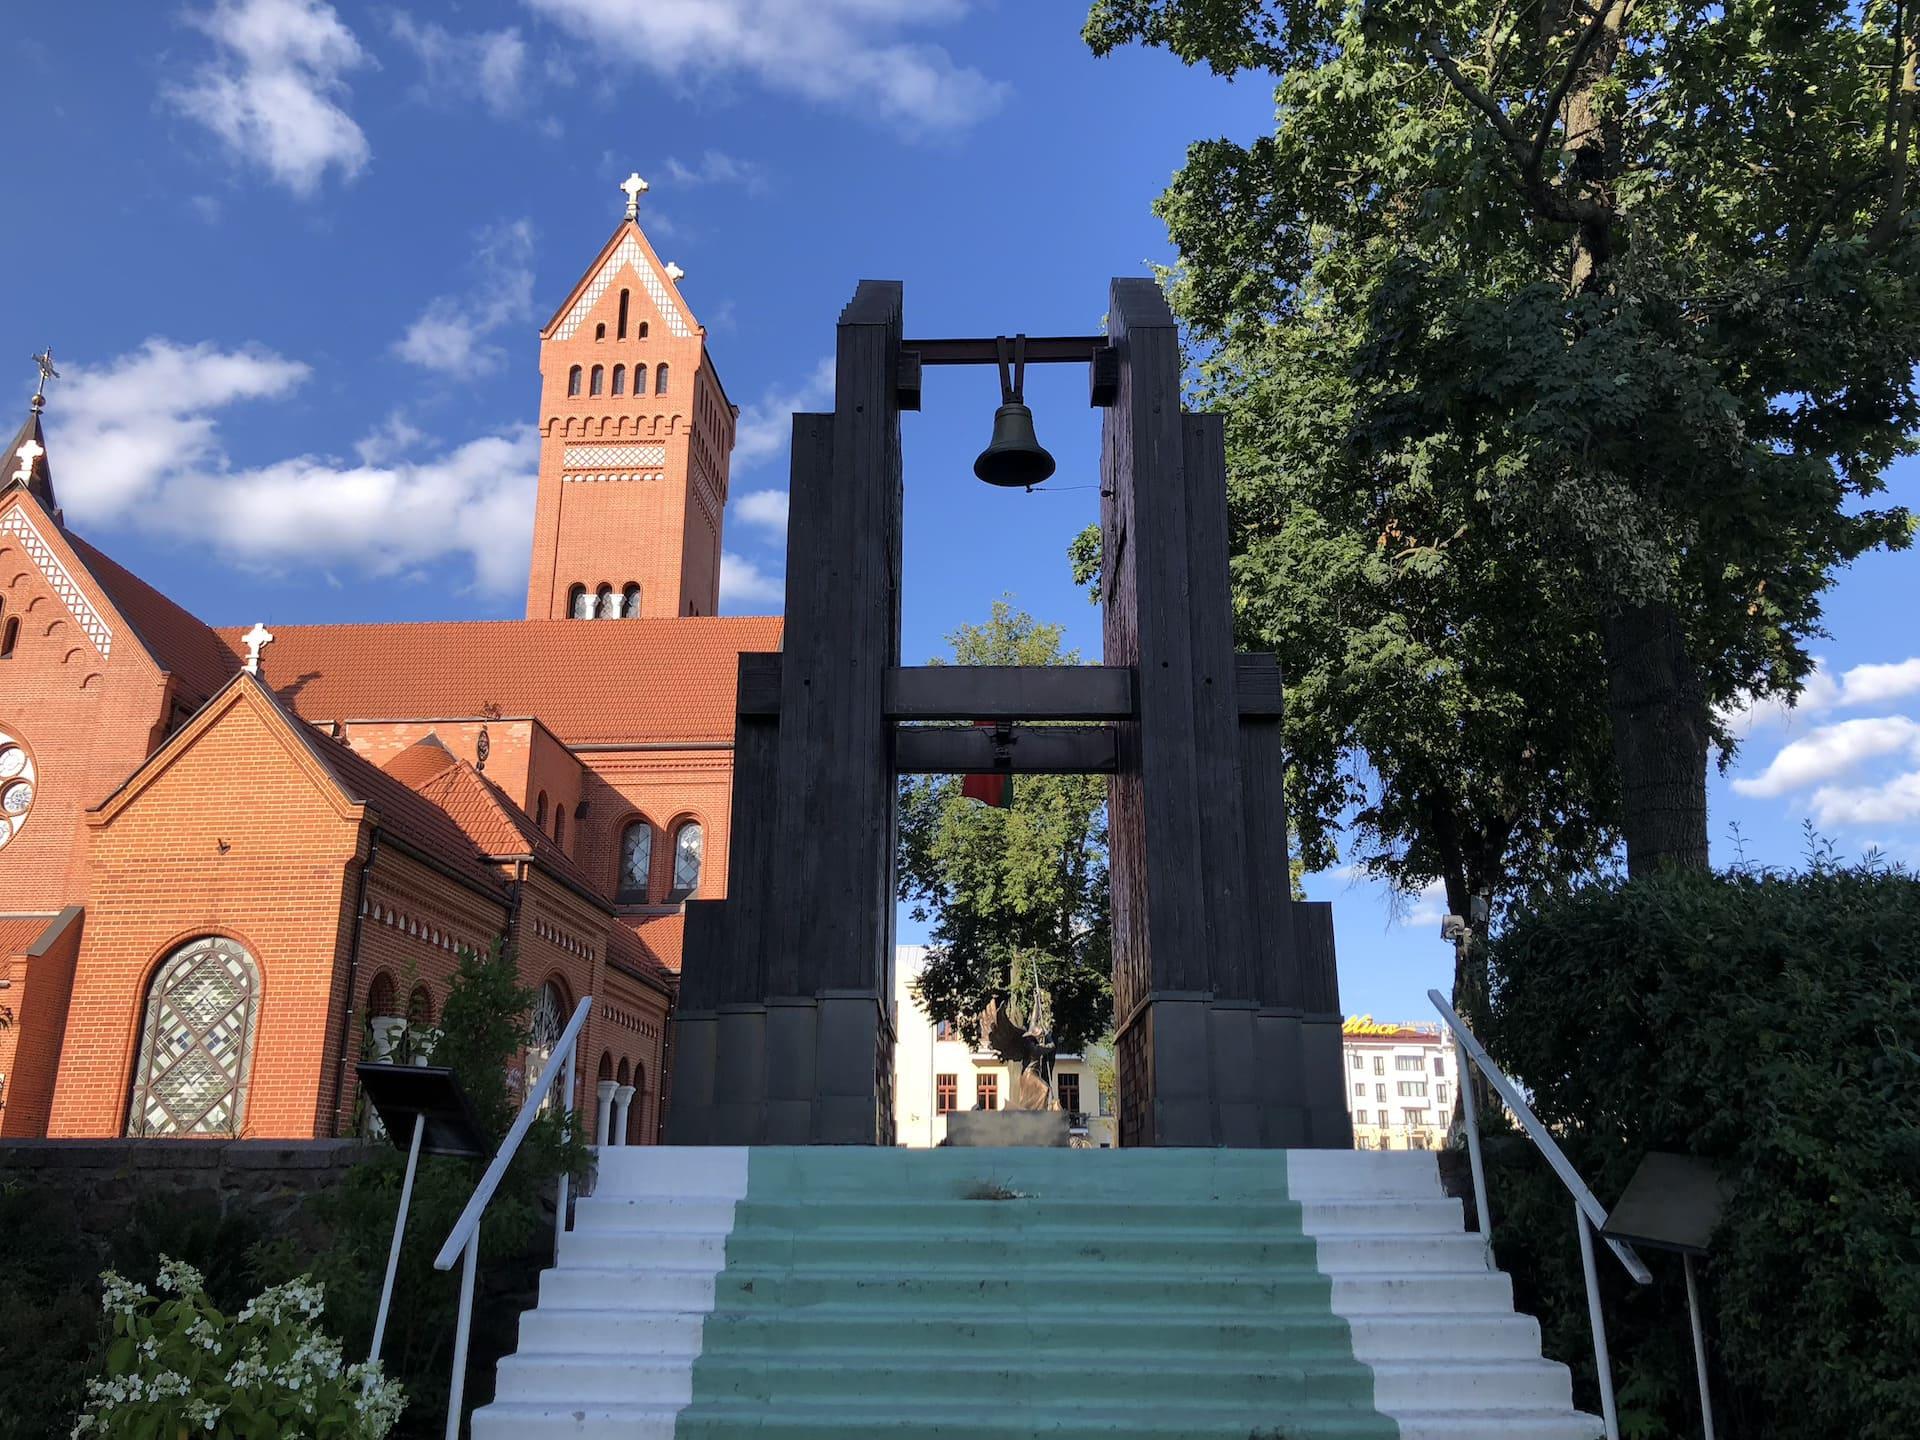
(1658, 711)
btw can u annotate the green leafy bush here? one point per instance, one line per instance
(180, 1366)
(1766, 1022)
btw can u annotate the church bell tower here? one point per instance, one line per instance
(636, 434)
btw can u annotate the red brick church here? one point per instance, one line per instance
(232, 864)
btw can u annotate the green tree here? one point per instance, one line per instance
(1016, 897)
(1627, 292)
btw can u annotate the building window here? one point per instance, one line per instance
(420, 1006)
(986, 1092)
(1408, 1062)
(630, 601)
(1439, 1065)
(9, 637)
(597, 382)
(1440, 1094)
(579, 603)
(1358, 1063)
(540, 810)
(1069, 1090)
(1382, 1118)
(1361, 1142)
(381, 998)
(622, 330)
(573, 381)
(1360, 1091)
(660, 380)
(943, 1030)
(619, 379)
(946, 1093)
(689, 845)
(1106, 1101)
(640, 377)
(643, 329)
(1412, 1087)
(1379, 1064)
(550, 1015)
(609, 603)
(636, 859)
(196, 1043)
(1380, 1093)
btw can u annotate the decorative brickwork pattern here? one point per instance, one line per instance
(628, 255)
(605, 457)
(91, 622)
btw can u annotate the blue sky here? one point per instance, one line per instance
(293, 257)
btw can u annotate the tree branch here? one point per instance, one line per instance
(1607, 18)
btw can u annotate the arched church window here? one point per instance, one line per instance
(609, 603)
(380, 998)
(689, 844)
(573, 381)
(630, 601)
(579, 603)
(600, 332)
(9, 637)
(636, 861)
(660, 380)
(196, 1042)
(623, 316)
(540, 810)
(550, 1014)
(619, 379)
(639, 379)
(420, 1006)
(639, 1105)
(643, 329)
(597, 384)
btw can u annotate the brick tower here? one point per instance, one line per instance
(635, 437)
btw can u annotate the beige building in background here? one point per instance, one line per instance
(936, 1072)
(1401, 1080)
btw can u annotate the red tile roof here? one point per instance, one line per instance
(178, 642)
(654, 951)
(497, 826)
(589, 682)
(410, 818)
(17, 932)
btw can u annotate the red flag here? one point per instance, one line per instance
(995, 790)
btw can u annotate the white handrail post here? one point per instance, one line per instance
(1470, 1107)
(399, 1231)
(462, 1333)
(566, 1113)
(1602, 1364)
(1699, 1346)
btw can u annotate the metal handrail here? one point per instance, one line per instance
(463, 1243)
(1589, 1215)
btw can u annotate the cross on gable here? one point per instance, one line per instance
(257, 639)
(27, 454)
(635, 188)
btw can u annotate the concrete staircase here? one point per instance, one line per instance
(993, 1294)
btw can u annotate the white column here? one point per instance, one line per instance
(603, 1114)
(386, 1031)
(622, 1098)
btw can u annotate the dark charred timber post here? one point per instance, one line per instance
(1226, 1002)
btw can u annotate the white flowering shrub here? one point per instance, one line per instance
(178, 1369)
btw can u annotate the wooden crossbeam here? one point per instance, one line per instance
(1009, 692)
(1026, 750)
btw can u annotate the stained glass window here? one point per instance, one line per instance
(196, 1043)
(549, 1020)
(636, 860)
(689, 843)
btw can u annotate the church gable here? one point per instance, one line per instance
(32, 547)
(629, 255)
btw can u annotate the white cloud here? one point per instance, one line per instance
(136, 442)
(715, 167)
(1859, 686)
(764, 508)
(745, 587)
(842, 52)
(1896, 801)
(490, 65)
(1831, 751)
(449, 335)
(1426, 908)
(272, 93)
(395, 435)
(766, 428)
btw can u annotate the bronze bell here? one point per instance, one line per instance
(1015, 458)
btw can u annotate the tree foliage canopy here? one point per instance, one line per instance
(1622, 298)
(1016, 897)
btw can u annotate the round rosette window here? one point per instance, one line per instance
(17, 781)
